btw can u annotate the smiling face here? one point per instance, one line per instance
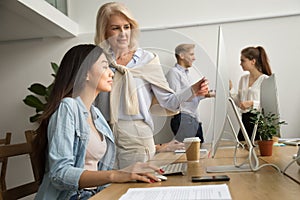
(100, 76)
(118, 32)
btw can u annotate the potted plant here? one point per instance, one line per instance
(39, 98)
(268, 125)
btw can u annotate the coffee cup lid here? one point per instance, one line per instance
(192, 139)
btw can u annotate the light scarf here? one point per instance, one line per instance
(124, 79)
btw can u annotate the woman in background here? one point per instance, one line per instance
(138, 78)
(256, 62)
(75, 140)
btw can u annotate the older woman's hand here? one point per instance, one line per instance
(170, 146)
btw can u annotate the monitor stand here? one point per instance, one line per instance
(228, 168)
(252, 162)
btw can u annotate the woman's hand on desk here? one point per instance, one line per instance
(138, 171)
(170, 146)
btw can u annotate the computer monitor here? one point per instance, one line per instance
(269, 102)
(222, 93)
(269, 97)
(223, 101)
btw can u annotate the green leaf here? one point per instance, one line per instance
(49, 89)
(43, 92)
(34, 102)
(34, 118)
(55, 68)
(38, 89)
(40, 108)
(268, 123)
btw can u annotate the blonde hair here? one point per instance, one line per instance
(103, 17)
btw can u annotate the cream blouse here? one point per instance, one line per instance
(246, 93)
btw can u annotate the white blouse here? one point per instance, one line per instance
(246, 93)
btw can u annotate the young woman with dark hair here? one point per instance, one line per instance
(75, 142)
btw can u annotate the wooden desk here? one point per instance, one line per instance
(267, 183)
(281, 157)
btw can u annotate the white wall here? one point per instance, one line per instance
(280, 37)
(157, 13)
(25, 62)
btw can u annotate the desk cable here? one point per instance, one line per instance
(294, 160)
(258, 167)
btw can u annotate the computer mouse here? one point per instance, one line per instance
(161, 177)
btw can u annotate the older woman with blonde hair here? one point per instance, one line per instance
(104, 13)
(139, 81)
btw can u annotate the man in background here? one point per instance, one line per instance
(187, 122)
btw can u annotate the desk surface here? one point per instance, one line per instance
(281, 157)
(267, 183)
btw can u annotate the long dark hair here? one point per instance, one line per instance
(69, 81)
(260, 55)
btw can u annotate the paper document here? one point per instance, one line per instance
(207, 192)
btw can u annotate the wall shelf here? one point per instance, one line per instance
(33, 19)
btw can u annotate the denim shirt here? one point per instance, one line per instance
(68, 135)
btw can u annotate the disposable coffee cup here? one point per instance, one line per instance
(192, 148)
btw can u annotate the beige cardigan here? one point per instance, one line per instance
(123, 79)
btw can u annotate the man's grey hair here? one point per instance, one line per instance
(182, 48)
